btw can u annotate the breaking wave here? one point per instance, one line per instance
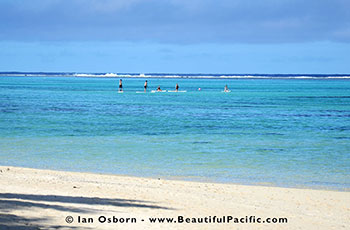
(168, 75)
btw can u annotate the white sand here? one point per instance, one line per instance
(41, 199)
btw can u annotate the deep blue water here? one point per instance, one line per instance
(284, 132)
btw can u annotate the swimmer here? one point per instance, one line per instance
(158, 89)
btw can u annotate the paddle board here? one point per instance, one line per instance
(155, 91)
(174, 91)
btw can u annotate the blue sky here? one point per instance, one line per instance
(175, 36)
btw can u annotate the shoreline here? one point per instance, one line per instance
(43, 198)
(196, 180)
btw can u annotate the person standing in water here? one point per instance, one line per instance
(177, 87)
(158, 89)
(120, 85)
(145, 86)
(226, 89)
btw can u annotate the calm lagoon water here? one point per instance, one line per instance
(284, 132)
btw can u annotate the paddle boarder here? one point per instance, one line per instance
(145, 86)
(226, 89)
(120, 85)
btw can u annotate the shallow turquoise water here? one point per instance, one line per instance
(284, 132)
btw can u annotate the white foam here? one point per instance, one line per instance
(195, 76)
(111, 75)
(340, 77)
(96, 75)
(301, 77)
(242, 76)
(83, 75)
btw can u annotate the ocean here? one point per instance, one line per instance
(276, 130)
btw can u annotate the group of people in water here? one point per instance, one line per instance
(159, 89)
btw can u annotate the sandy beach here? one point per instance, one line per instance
(45, 199)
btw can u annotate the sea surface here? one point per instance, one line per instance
(281, 131)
